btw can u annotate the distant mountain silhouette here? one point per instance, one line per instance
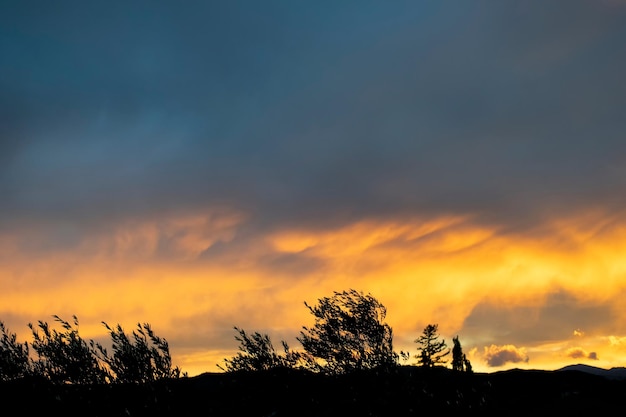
(613, 373)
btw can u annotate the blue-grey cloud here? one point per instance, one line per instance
(554, 318)
(327, 112)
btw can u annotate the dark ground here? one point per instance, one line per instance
(409, 391)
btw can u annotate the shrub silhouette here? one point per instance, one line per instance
(142, 359)
(349, 334)
(432, 351)
(14, 360)
(257, 353)
(64, 356)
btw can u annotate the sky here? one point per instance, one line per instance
(201, 165)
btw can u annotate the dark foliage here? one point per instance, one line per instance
(349, 334)
(431, 350)
(257, 353)
(14, 360)
(142, 358)
(467, 365)
(457, 355)
(459, 360)
(64, 356)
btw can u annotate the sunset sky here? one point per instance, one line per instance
(200, 165)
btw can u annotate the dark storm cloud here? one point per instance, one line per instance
(554, 319)
(310, 113)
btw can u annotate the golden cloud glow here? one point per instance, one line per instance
(423, 270)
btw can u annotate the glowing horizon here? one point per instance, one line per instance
(469, 279)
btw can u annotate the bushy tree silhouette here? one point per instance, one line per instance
(257, 353)
(141, 359)
(431, 350)
(64, 356)
(349, 334)
(14, 357)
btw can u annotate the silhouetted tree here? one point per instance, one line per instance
(349, 333)
(141, 359)
(432, 351)
(467, 365)
(65, 357)
(257, 353)
(459, 360)
(14, 360)
(457, 355)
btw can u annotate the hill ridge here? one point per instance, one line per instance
(611, 373)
